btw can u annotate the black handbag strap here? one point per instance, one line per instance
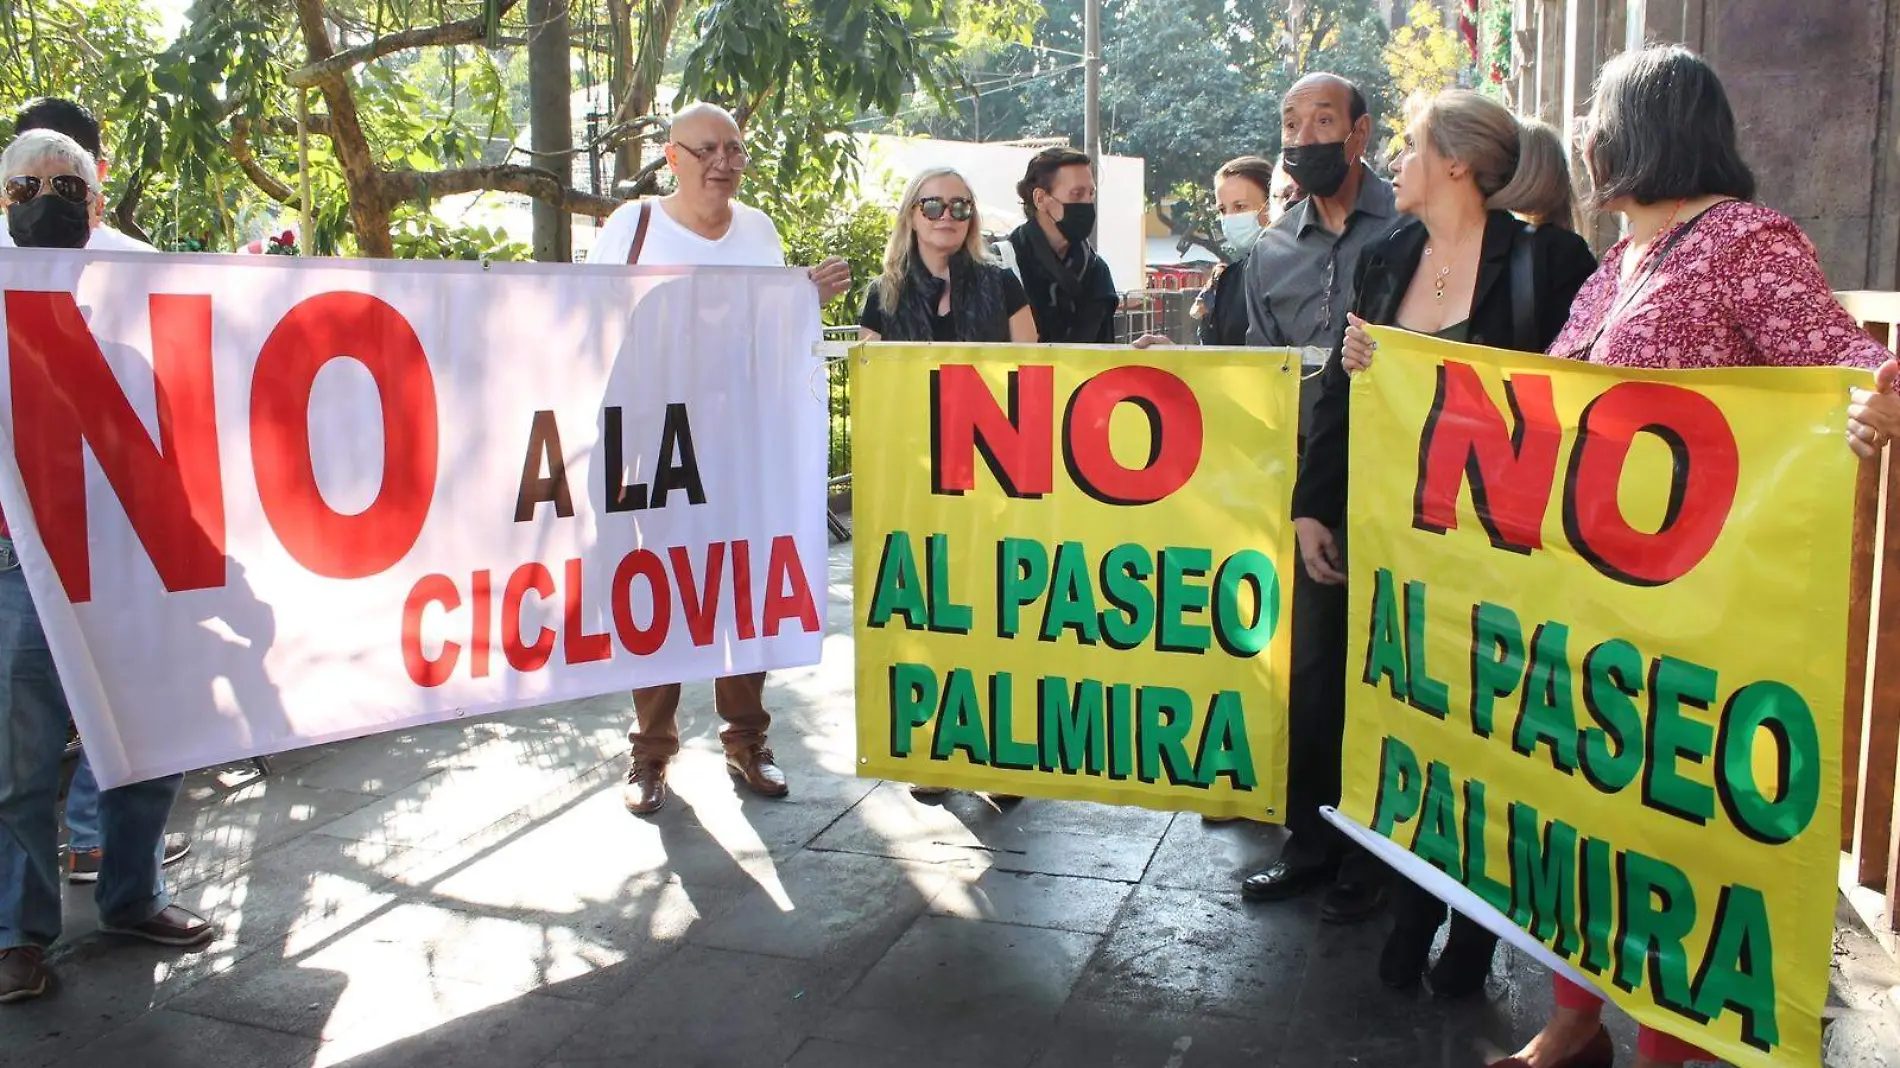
(1523, 291)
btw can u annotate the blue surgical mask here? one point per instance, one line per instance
(1241, 229)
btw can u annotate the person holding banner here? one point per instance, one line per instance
(54, 201)
(1705, 278)
(1298, 287)
(940, 282)
(1465, 268)
(84, 838)
(699, 224)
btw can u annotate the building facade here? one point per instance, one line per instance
(1812, 83)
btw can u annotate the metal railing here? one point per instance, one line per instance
(1870, 735)
(1156, 311)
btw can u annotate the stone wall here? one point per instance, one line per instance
(1812, 84)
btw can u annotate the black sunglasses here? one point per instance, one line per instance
(68, 186)
(962, 209)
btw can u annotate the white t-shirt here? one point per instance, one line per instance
(104, 238)
(751, 240)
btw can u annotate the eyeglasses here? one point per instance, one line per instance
(962, 209)
(25, 187)
(732, 153)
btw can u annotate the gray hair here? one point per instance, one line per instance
(34, 148)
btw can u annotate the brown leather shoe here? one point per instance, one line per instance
(645, 791)
(173, 926)
(23, 973)
(759, 769)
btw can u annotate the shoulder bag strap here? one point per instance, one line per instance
(1523, 291)
(640, 232)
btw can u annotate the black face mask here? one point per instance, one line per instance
(49, 221)
(1077, 222)
(1319, 169)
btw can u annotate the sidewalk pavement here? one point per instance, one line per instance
(473, 894)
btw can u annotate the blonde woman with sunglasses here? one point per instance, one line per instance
(940, 281)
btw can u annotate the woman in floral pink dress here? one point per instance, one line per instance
(1706, 278)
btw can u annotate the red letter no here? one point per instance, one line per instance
(1705, 470)
(321, 329)
(965, 419)
(1509, 468)
(1174, 441)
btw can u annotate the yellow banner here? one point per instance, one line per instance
(1597, 667)
(1072, 571)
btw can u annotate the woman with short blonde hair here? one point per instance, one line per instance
(940, 282)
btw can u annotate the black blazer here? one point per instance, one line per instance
(1560, 263)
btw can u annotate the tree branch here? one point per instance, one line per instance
(466, 31)
(369, 196)
(125, 212)
(543, 185)
(240, 146)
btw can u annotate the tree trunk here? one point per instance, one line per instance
(369, 195)
(551, 121)
(620, 85)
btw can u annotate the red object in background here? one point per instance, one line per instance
(1468, 28)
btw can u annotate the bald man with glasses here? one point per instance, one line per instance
(699, 224)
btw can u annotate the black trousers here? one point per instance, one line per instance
(1316, 719)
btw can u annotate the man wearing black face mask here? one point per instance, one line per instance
(1071, 292)
(1299, 285)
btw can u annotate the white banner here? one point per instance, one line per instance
(267, 503)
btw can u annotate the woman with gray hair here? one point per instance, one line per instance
(1706, 278)
(52, 199)
(52, 192)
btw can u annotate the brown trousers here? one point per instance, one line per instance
(739, 700)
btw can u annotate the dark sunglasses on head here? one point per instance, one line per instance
(960, 208)
(67, 186)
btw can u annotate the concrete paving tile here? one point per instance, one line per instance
(591, 860)
(293, 892)
(518, 1033)
(1028, 899)
(382, 764)
(840, 906)
(781, 825)
(488, 785)
(965, 829)
(992, 991)
(947, 961)
(1215, 857)
(262, 813)
(103, 983)
(706, 1008)
(169, 1039)
(1196, 953)
(1091, 1035)
(824, 1053)
(386, 982)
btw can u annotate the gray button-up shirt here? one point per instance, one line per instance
(1300, 274)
